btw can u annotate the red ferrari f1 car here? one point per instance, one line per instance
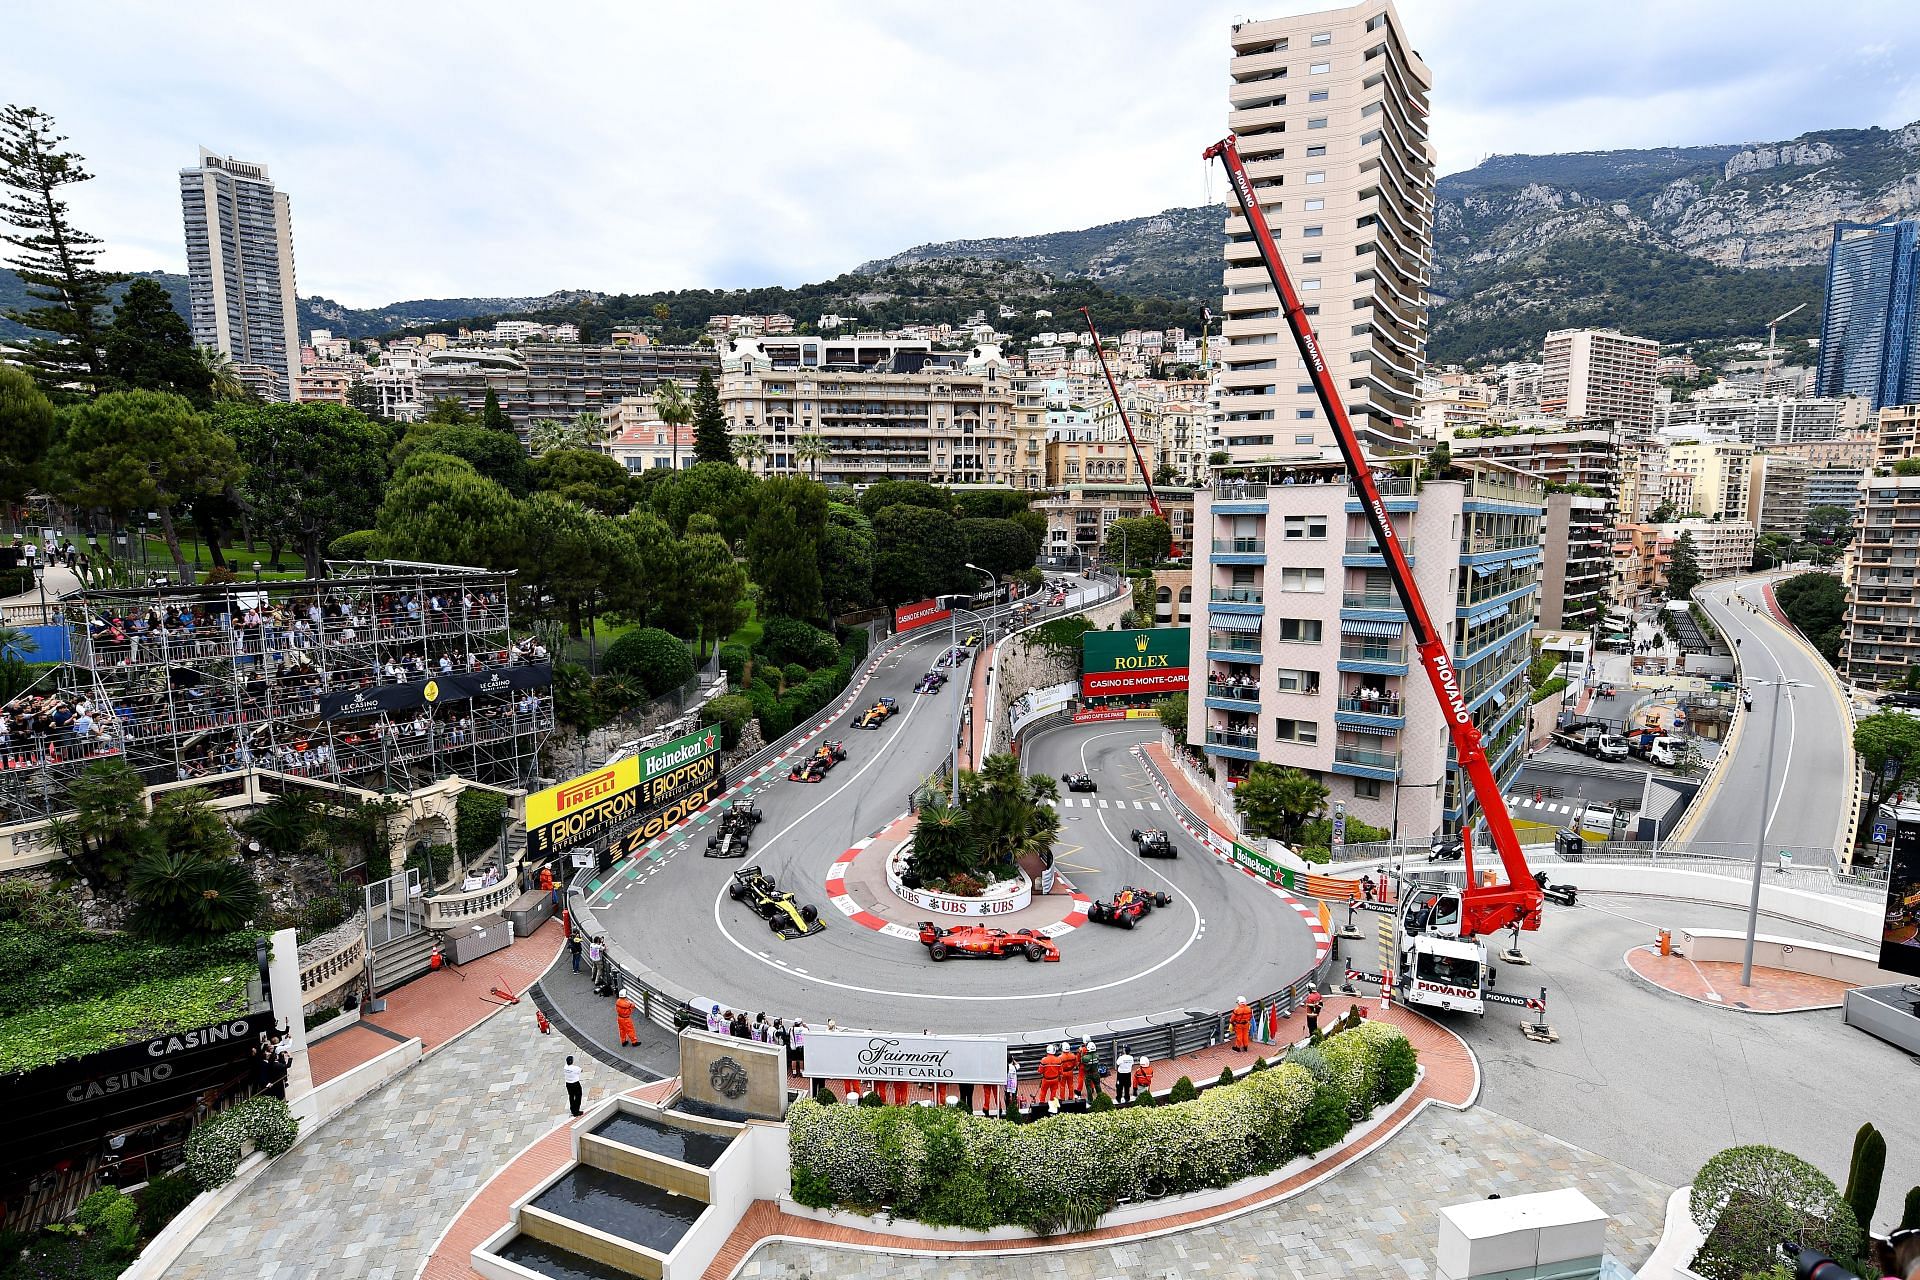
(979, 942)
(1128, 907)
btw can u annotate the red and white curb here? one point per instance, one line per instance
(838, 895)
(1322, 944)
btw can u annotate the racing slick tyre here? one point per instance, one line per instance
(1127, 922)
(809, 913)
(735, 892)
(773, 923)
(938, 951)
(1135, 837)
(1034, 951)
(1097, 912)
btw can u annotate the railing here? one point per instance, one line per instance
(333, 971)
(446, 910)
(1389, 486)
(1368, 547)
(1240, 546)
(1227, 738)
(1233, 642)
(1372, 653)
(1237, 595)
(1367, 756)
(1373, 706)
(1817, 879)
(1508, 542)
(1248, 692)
(1370, 600)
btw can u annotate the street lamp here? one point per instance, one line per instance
(993, 607)
(256, 571)
(1766, 814)
(40, 581)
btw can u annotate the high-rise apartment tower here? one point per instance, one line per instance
(240, 268)
(1870, 335)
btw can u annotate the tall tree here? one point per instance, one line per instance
(812, 449)
(439, 508)
(364, 398)
(492, 416)
(749, 449)
(711, 441)
(26, 429)
(143, 450)
(585, 476)
(569, 557)
(1829, 525)
(711, 589)
(449, 411)
(999, 546)
(1140, 542)
(582, 431)
(714, 489)
(919, 553)
(314, 472)
(670, 403)
(1888, 742)
(55, 260)
(846, 559)
(223, 380)
(148, 347)
(1275, 801)
(783, 547)
(496, 455)
(1683, 570)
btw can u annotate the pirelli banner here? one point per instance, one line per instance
(1117, 663)
(459, 686)
(925, 613)
(620, 795)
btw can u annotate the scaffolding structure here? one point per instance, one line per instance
(385, 675)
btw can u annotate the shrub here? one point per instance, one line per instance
(214, 1147)
(38, 907)
(660, 661)
(733, 661)
(1101, 1102)
(112, 1218)
(965, 885)
(361, 544)
(1399, 1065)
(1749, 1199)
(794, 675)
(1356, 1067)
(477, 813)
(1259, 1064)
(1326, 1120)
(787, 640)
(730, 711)
(1146, 1098)
(1183, 1090)
(163, 1200)
(1226, 1076)
(218, 576)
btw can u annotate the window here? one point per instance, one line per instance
(1303, 579)
(1304, 413)
(1323, 37)
(1314, 153)
(1312, 282)
(1305, 527)
(1312, 231)
(1306, 732)
(1315, 176)
(1366, 788)
(1317, 95)
(1316, 204)
(1319, 68)
(1309, 259)
(1306, 439)
(1304, 389)
(1317, 122)
(1303, 630)
(1290, 680)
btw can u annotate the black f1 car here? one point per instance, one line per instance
(1153, 843)
(735, 833)
(1128, 907)
(979, 942)
(877, 714)
(1080, 782)
(932, 682)
(816, 766)
(782, 911)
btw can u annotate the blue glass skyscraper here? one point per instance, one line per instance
(1870, 336)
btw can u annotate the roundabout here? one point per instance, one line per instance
(828, 843)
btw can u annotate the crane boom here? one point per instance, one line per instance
(1153, 499)
(1485, 909)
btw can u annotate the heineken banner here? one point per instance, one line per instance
(458, 686)
(614, 797)
(1115, 663)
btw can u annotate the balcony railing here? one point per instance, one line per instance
(1372, 653)
(1240, 690)
(1370, 600)
(1228, 738)
(1233, 642)
(1240, 546)
(1343, 754)
(1391, 706)
(1238, 595)
(1368, 547)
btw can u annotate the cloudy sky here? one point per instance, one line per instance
(486, 148)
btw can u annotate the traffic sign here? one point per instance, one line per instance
(1879, 833)
(1501, 997)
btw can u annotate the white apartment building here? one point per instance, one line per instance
(1767, 422)
(240, 283)
(1601, 375)
(1719, 470)
(1777, 493)
(1722, 546)
(1330, 110)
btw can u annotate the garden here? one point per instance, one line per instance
(947, 1168)
(1002, 817)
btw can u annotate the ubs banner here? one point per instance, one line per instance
(885, 1055)
(77, 1103)
(925, 613)
(1900, 936)
(638, 789)
(1153, 661)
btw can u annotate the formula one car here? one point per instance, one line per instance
(735, 833)
(782, 911)
(819, 764)
(1128, 907)
(1153, 843)
(877, 714)
(952, 657)
(932, 682)
(978, 942)
(1080, 782)
(973, 638)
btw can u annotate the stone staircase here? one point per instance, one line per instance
(404, 958)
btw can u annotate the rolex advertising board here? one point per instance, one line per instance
(1152, 661)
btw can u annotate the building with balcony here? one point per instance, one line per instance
(1304, 658)
(1079, 515)
(1577, 541)
(1880, 636)
(323, 383)
(1072, 461)
(1718, 471)
(1777, 493)
(1870, 332)
(1029, 432)
(1835, 487)
(1588, 456)
(240, 284)
(945, 418)
(1330, 110)
(558, 380)
(1721, 546)
(1897, 433)
(1600, 375)
(1640, 559)
(1766, 422)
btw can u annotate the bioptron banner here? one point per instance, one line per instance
(1114, 663)
(925, 613)
(601, 803)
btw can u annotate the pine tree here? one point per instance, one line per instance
(54, 259)
(711, 440)
(148, 347)
(492, 416)
(1683, 571)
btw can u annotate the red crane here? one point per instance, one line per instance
(1484, 909)
(1139, 460)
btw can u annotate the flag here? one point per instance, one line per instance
(1260, 1031)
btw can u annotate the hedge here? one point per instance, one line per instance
(947, 1168)
(788, 640)
(659, 660)
(214, 1147)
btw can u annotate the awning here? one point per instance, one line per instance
(1239, 623)
(1499, 697)
(1479, 616)
(1521, 562)
(1485, 570)
(1373, 630)
(1373, 729)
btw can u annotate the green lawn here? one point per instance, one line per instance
(749, 633)
(239, 559)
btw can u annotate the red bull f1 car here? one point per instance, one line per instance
(1128, 907)
(818, 765)
(979, 942)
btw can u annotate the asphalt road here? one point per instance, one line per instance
(1660, 1083)
(1221, 937)
(1805, 796)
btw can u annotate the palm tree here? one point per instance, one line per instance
(582, 431)
(749, 448)
(676, 410)
(15, 645)
(181, 895)
(812, 450)
(222, 379)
